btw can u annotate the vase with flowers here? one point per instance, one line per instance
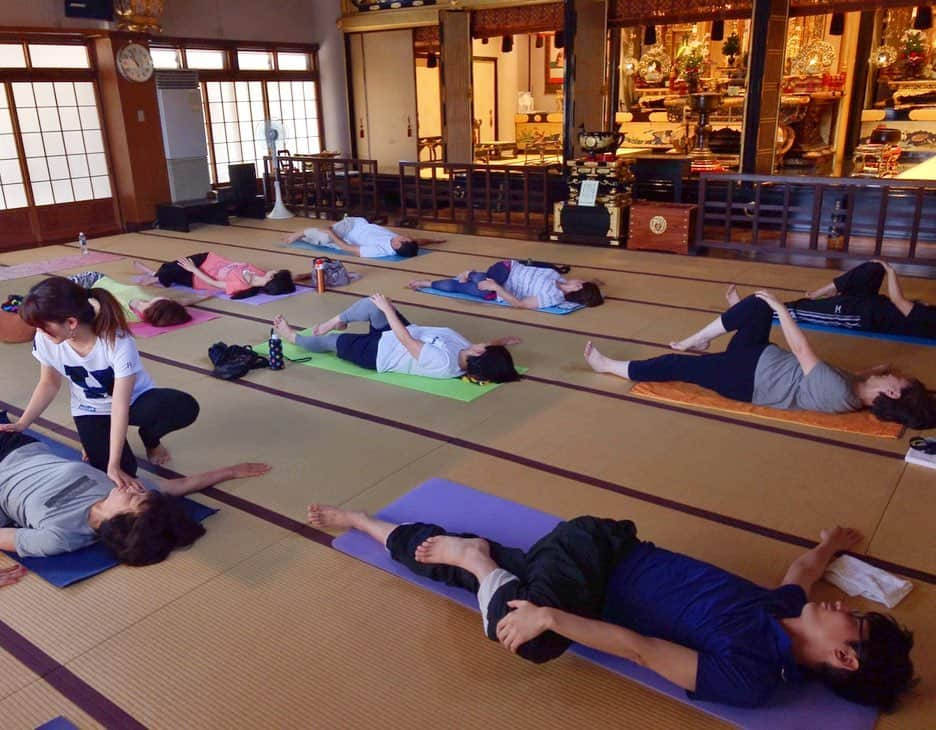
(912, 52)
(690, 58)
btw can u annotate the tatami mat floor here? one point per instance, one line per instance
(259, 626)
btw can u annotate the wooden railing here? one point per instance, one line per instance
(819, 216)
(468, 195)
(326, 187)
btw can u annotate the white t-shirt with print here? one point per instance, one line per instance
(535, 281)
(372, 240)
(437, 359)
(92, 376)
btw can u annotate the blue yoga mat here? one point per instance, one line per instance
(67, 568)
(931, 342)
(564, 308)
(58, 723)
(461, 509)
(329, 251)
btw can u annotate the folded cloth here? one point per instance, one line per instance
(858, 578)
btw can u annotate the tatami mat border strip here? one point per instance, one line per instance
(578, 266)
(705, 514)
(66, 682)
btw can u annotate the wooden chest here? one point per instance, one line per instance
(661, 226)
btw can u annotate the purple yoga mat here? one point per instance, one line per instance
(461, 509)
(256, 299)
(144, 329)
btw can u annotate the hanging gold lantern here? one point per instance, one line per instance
(140, 16)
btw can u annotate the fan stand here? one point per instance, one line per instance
(280, 211)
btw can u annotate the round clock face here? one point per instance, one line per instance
(135, 62)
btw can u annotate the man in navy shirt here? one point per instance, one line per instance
(718, 636)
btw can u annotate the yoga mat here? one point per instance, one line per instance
(50, 266)
(67, 568)
(564, 308)
(145, 329)
(461, 509)
(256, 300)
(329, 251)
(931, 342)
(454, 388)
(58, 723)
(860, 422)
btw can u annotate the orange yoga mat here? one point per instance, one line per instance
(862, 422)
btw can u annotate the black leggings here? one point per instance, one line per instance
(568, 569)
(171, 273)
(729, 373)
(157, 412)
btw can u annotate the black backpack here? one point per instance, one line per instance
(234, 361)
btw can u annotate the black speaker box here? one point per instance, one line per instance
(244, 181)
(96, 9)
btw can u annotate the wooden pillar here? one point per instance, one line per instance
(860, 73)
(130, 114)
(613, 94)
(585, 31)
(765, 74)
(455, 39)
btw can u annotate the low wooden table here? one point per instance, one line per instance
(178, 215)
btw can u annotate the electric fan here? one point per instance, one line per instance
(274, 132)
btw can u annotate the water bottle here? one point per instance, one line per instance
(83, 243)
(835, 241)
(319, 266)
(275, 345)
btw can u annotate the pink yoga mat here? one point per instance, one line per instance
(50, 266)
(144, 329)
(256, 300)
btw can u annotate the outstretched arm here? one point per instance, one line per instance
(413, 346)
(795, 338)
(676, 663)
(46, 389)
(822, 292)
(187, 485)
(505, 341)
(894, 292)
(809, 567)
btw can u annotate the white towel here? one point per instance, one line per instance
(858, 578)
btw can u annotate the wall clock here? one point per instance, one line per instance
(135, 62)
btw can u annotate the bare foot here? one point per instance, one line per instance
(690, 344)
(596, 361)
(158, 455)
(419, 284)
(282, 328)
(731, 294)
(462, 552)
(324, 516)
(332, 324)
(293, 237)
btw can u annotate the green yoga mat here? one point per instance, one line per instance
(454, 388)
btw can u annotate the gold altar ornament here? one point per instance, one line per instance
(654, 65)
(814, 58)
(139, 16)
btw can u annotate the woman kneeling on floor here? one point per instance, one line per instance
(83, 337)
(754, 371)
(393, 345)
